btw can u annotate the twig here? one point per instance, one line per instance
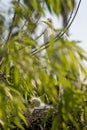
(4, 79)
(10, 29)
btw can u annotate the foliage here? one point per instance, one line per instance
(57, 76)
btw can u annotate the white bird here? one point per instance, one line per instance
(49, 34)
(37, 104)
(49, 31)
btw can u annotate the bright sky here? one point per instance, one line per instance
(78, 29)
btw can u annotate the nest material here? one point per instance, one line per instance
(41, 119)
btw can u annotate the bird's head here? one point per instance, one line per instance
(49, 22)
(35, 102)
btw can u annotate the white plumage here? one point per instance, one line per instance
(49, 32)
(37, 104)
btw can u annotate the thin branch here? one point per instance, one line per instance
(4, 79)
(10, 29)
(39, 36)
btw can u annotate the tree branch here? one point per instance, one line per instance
(4, 79)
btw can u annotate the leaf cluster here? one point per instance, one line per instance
(56, 75)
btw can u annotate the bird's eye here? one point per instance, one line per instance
(49, 20)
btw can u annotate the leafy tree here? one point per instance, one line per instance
(58, 78)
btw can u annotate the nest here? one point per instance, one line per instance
(41, 119)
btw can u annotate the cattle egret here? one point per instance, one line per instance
(49, 31)
(37, 104)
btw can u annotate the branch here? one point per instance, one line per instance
(4, 79)
(11, 27)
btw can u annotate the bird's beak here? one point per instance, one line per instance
(44, 21)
